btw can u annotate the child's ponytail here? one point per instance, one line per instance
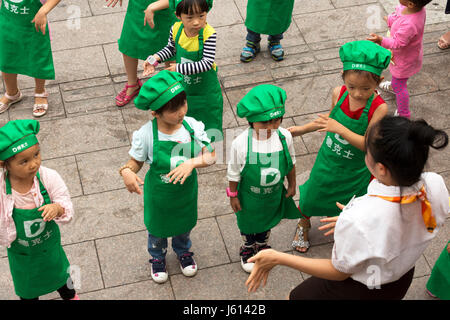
(403, 146)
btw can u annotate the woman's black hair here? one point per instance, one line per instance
(367, 74)
(191, 7)
(402, 146)
(251, 123)
(174, 104)
(420, 3)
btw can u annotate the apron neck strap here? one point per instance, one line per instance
(155, 139)
(285, 150)
(368, 105)
(43, 190)
(194, 138)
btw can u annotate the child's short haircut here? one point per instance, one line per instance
(420, 3)
(174, 104)
(403, 145)
(251, 123)
(191, 7)
(367, 74)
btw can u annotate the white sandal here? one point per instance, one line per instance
(386, 86)
(40, 106)
(13, 99)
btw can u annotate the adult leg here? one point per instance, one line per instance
(133, 85)
(11, 86)
(41, 98)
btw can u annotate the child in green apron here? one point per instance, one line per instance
(339, 171)
(139, 37)
(261, 157)
(34, 198)
(193, 43)
(25, 49)
(271, 17)
(438, 285)
(174, 146)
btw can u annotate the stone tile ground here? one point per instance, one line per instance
(85, 137)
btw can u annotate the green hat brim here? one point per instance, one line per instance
(19, 146)
(361, 66)
(267, 115)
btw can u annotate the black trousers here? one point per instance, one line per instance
(320, 289)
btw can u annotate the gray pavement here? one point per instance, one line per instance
(86, 138)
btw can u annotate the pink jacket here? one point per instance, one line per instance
(405, 41)
(57, 191)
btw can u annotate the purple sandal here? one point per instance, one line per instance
(122, 98)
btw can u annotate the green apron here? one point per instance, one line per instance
(204, 95)
(23, 49)
(270, 17)
(339, 171)
(170, 209)
(439, 281)
(139, 41)
(261, 191)
(36, 258)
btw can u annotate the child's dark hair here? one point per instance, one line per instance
(403, 145)
(191, 7)
(251, 123)
(367, 74)
(174, 104)
(420, 3)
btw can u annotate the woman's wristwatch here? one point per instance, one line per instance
(152, 60)
(231, 194)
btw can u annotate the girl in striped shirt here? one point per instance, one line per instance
(192, 41)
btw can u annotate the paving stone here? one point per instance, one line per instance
(6, 283)
(302, 7)
(68, 170)
(433, 66)
(115, 59)
(69, 11)
(224, 13)
(431, 107)
(212, 198)
(227, 282)
(439, 160)
(100, 7)
(340, 23)
(91, 32)
(104, 215)
(99, 170)
(82, 134)
(350, 3)
(80, 64)
(435, 10)
(439, 242)
(144, 290)
(417, 290)
(4, 118)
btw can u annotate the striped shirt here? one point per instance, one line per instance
(205, 64)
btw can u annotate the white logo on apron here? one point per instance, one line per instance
(33, 228)
(341, 140)
(270, 172)
(184, 60)
(16, 1)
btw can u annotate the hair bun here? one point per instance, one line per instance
(421, 132)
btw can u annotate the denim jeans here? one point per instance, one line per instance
(256, 37)
(157, 247)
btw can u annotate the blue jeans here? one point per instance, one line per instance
(157, 247)
(256, 37)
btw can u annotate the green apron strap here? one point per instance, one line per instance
(43, 190)
(368, 105)
(200, 43)
(155, 139)
(252, 157)
(194, 138)
(177, 37)
(286, 151)
(339, 103)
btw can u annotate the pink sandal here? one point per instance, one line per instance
(12, 99)
(122, 98)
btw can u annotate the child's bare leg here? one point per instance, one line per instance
(40, 88)
(11, 86)
(131, 65)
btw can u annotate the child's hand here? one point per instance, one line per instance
(172, 67)
(375, 38)
(40, 21)
(235, 204)
(181, 172)
(328, 124)
(148, 18)
(291, 190)
(132, 181)
(148, 69)
(51, 211)
(332, 221)
(295, 131)
(113, 2)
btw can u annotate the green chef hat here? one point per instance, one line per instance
(365, 55)
(158, 90)
(262, 103)
(173, 4)
(17, 136)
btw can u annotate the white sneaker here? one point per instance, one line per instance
(158, 270)
(246, 253)
(386, 86)
(187, 264)
(396, 113)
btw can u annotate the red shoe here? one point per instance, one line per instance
(122, 98)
